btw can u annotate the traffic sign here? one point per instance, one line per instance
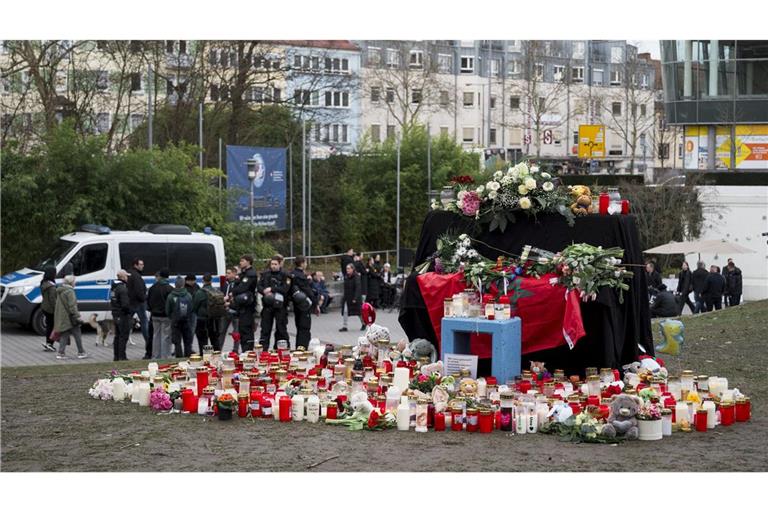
(527, 138)
(547, 136)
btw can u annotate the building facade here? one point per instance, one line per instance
(716, 91)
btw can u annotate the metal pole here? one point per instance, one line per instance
(429, 167)
(251, 213)
(221, 170)
(489, 93)
(149, 107)
(303, 187)
(200, 134)
(309, 199)
(397, 244)
(290, 186)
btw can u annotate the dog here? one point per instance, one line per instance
(103, 329)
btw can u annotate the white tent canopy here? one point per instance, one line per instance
(700, 246)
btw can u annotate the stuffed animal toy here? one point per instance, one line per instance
(582, 200)
(672, 334)
(622, 419)
(429, 369)
(419, 348)
(539, 370)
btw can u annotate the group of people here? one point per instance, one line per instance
(377, 282)
(710, 289)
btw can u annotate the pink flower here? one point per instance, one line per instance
(422, 378)
(471, 203)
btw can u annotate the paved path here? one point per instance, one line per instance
(19, 347)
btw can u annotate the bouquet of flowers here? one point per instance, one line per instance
(581, 428)
(363, 419)
(520, 188)
(101, 389)
(649, 412)
(159, 400)
(226, 401)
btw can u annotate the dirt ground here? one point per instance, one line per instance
(49, 423)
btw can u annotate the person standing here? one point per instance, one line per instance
(66, 319)
(202, 305)
(346, 259)
(231, 317)
(713, 289)
(698, 281)
(274, 286)
(48, 304)
(137, 296)
(374, 282)
(243, 292)
(351, 303)
(178, 307)
(733, 283)
(161, 324)
(120, 303)
(684, 288)
(387, 287)
(653, 278)
(362, 271)
(304, 302)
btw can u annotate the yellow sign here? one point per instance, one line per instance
(591, 141)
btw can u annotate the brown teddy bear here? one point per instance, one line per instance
(622, 420)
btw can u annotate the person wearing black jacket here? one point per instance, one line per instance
(684, 288)
(161, 324)
(363, 273)
(733, 283)
(304, 302)
(664, 304)
(274, 286)
(698, 281)
(244, 300)
(230, 317)
(714, 289)
(374, 282)
(121, 313)
(137, 295)
(352, 301)
(653, 277)
(346, 259)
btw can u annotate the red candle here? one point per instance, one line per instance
(472, 420)
(624, 207)
(266, 407)
(743, 411)
(486, 422)
(255, 407)
(285, 408)
(524, 386)
(727, 413)
(575, 406)
(430, 414)
(593, 400)
(497, 419)
(242, 407)
(388, 366)
(202, 380)
(331, 411)
(605, 411)
(669, 403)
(340, 401)
(439, 422)
(189, 401)
(701, 420)
(603, 203)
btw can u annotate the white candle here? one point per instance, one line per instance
(118, 389)
(152, 368)
(727, 395)
(681, 413)
(709, 406)
(144, 394)
(481, 387)
(401, 379)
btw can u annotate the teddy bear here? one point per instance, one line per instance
(582, 200)
(622, 419)
(419, 348)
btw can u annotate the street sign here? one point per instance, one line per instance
(547, 136)
(591, 141)
(527, 138)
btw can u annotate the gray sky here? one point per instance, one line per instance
(647, 46)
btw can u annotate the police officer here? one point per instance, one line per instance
(304, 302)
(121, 314)
(274, 285)
(244, 300)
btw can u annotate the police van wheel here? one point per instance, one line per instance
(37, 324)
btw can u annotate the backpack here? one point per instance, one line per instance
(114, 299)
(216, 306)
(182, 305)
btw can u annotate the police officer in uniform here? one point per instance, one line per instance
(121, 314)
(274, 285)
(304, 302)
(244, 300)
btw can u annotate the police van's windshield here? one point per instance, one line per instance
(57, 253)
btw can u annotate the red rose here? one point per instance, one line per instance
(373, 419)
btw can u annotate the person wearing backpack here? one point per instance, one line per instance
(208, 307)
(304, 302)
(122, 315)
(274, 286)
(161, 324)
(178, 307)
(48, 305)
(244, 300)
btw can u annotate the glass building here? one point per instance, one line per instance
(718, 91)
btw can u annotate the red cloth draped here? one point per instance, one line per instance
(550, 317)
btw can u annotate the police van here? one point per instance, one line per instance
(95, 253)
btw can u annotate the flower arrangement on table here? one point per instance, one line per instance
(520, 188)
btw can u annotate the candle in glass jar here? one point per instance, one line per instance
(473, 416)
(674, 387)
(701, 420)
(313, 409)
(711, 409)
(603, 202)
(152, 368)
(403, 414)
(457, 425)
(533, 419)
(242, 405)
(681, 413)
(686, 381)
(439, 422)
(402, 379)
(743, 408)
(521, 420)
(727, 413)
(421, 415)
(285, 406)
(666, 422)
(118, 389)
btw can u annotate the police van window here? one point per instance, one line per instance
(154, 256)
(57, 253)
(191, 259)
(88, 259)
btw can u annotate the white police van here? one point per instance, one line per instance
(95, 253)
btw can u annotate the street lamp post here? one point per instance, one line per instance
(251, 165)
(397, 243)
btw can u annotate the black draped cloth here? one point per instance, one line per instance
(614, 330)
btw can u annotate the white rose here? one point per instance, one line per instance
(435, 205)
(506, 180)
(480, 189)
(534, 169)
(461, 195)
(522, 190)
(498, 174)
(494, 186)
(530, 183)
(576, 280)
(525, 203)
(522, 169)
(545, 175)
(617, 273)
(463, 236)
(493, 194)
(548, 186)
(459, 204)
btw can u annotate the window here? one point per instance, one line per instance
(318, 132)
(276, 95)
(135, 120)
(376, 133)
(467, 65)
(6, 85)
(514, 102)
(642, 110)
(102, 80)
(575, 138)
(577, 74)
(374, 56)
(257, 94)
(390, 131)
(558, 73)
(224, 59)
(326, 132)
(183, 47)
(89, 259)
(214, 92)
(136, 82)
(297, 61)
(390, 95)
(187, 258)
(615, 77)
(616, 108)
(169, 47)
(538, 71)
(514, 67)
(375, 94)
(416, 59)
(337, 65)
(416, 96)
(335, 137)
(154, 256)
(213, 57)
(393, 58)
(444, 98)
(102, 122)
(644, 80)
(469, 99)
(344, 133)
(542, 104)
(7, 121)
(664, 150)
(492, 101)
(345, 65)
(494, 67)
(597, 77)
(617, 55)
(468, 134)
(336, 99)
(578, 49)
(444, 63)
(443, 131)
(492, 136)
